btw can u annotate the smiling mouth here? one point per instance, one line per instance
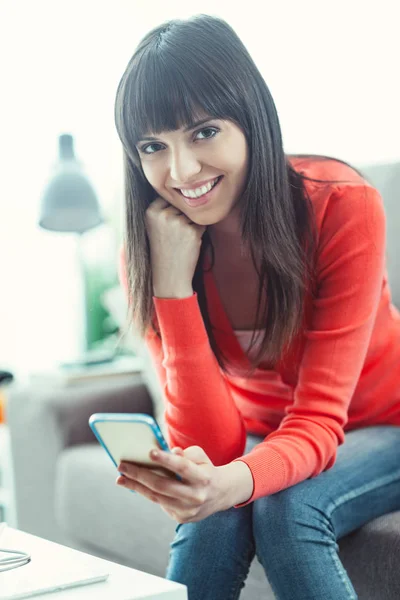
(195, 197)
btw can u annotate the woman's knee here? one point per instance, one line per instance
(294, 514)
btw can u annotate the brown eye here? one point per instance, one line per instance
(208, 132)
(150, 148)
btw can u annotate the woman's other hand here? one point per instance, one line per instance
(203, 490)
(175, 244)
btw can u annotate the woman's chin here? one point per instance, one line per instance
(205, 220)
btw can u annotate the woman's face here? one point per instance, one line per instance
(201, 171)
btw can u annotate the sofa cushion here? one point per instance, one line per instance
(371, 556)
(92, 509)
(386, 178)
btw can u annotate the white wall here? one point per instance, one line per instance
(332, 68)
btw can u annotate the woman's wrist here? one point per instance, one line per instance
(237, 483)
(183, 292)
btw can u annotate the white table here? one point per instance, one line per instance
(123, 583)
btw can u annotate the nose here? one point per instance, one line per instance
(184, 165)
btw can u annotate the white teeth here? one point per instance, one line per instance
(196, 193)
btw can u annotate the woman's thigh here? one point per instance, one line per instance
(363, 484)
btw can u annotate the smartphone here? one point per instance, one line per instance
(130, 437)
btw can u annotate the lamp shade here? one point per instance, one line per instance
(69, 202)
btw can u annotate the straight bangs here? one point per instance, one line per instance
(163, 93)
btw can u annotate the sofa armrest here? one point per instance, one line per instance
(73, 407)
(43, 421)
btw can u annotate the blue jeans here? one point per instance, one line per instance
(294, 532)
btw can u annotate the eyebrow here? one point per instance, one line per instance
(188, 128)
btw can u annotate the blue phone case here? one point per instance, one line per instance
(128, 418)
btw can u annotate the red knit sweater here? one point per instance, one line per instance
(343, 371)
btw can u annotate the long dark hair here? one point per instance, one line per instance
(185, 68)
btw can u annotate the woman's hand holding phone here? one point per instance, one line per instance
(204, 488)
(175, 243)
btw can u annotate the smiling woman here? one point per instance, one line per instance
(172, 95)
(228, 238)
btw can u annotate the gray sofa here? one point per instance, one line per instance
(64, 482)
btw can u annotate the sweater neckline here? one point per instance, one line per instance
(223, 331)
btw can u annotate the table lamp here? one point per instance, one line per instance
(69, 203)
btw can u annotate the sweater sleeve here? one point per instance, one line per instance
(350, 271)
(199, 409)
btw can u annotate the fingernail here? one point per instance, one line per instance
(154, 454)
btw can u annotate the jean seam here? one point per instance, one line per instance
(340, 568)
(234, 591)
(382, 481)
